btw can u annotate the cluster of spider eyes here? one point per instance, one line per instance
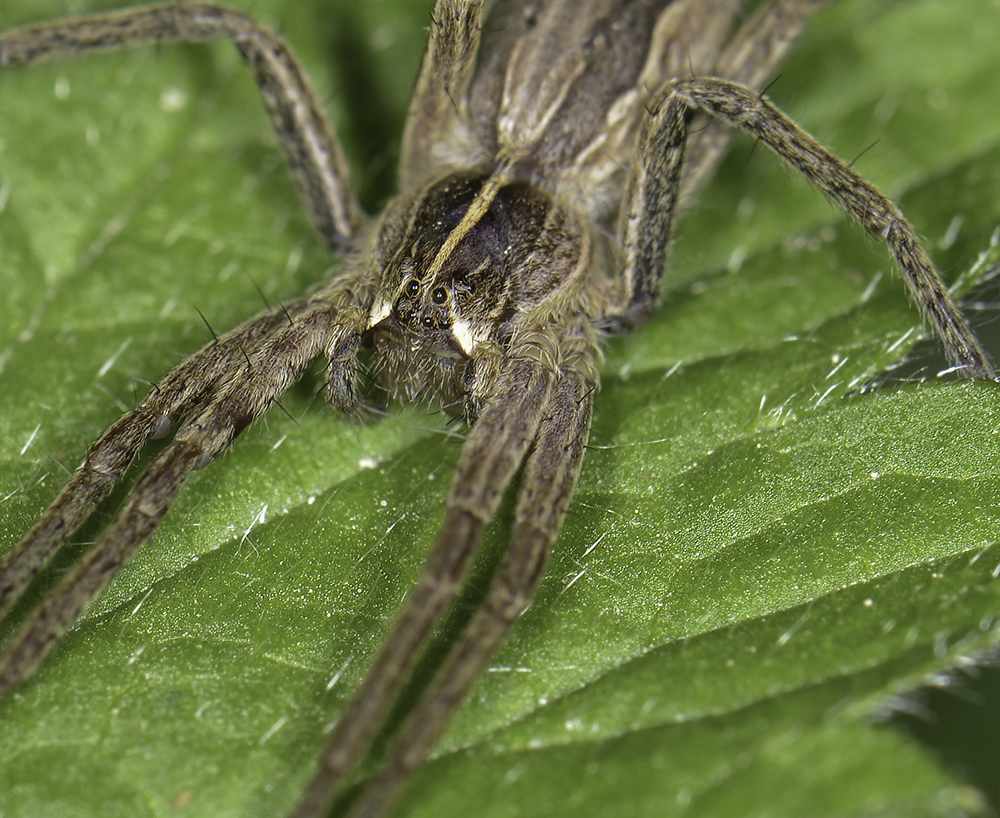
(439, 296)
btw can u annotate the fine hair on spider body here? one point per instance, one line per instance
(548, 150)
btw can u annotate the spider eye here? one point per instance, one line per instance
(440, 295)
(412, 288)
(428, 322)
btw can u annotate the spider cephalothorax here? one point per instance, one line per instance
(470, 261)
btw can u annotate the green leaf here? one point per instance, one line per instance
(754, 561)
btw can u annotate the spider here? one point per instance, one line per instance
(403, 371)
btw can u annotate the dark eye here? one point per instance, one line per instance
(412, 288)
(428, 322)
(440, 295)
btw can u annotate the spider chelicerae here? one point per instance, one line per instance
(343, 665)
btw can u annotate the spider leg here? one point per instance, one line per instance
(278, 361)
(496, 446)
(550, 475)
(445, 73)
(651, 198)
(758, 47)
(109, 457)
(307, 139)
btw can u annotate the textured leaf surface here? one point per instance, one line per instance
(752, 564)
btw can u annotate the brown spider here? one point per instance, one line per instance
(544, 351)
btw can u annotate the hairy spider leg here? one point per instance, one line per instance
(655, 175)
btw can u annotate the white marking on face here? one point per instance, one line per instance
(379, 312)
(467, 340)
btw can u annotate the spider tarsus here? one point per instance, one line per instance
(246, 357)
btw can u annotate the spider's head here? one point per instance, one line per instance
(461, 263)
